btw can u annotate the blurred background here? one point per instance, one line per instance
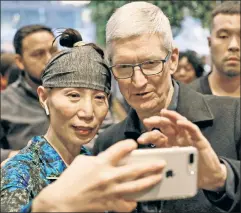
(189, 19)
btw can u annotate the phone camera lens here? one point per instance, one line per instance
(191, 158)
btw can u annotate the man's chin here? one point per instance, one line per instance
(232, 73)
(35, 80)
(149, 107)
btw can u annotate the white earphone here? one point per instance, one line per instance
(46, 109)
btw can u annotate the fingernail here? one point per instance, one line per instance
(156, 129)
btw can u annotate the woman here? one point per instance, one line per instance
(189, 67)
(74, 93)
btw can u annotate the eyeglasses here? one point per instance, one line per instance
(152, 67)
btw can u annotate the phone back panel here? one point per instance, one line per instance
(179, 177)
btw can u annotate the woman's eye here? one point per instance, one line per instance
(74, 95)
(100, 97)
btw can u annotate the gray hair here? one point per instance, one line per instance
(135, 19)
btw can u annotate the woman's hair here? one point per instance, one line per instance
(71, 36)
(81, 65)
(136, 19)
(194, 60)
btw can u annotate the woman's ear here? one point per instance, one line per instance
(174, 60)
(43, 96)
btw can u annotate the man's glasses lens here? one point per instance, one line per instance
(148, 68)
(122, 71)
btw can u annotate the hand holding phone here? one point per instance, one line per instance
(179, 177)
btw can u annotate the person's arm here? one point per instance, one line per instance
(89, 184)
(215, 174)
(14, 186)
(228, 198)
(97, 184)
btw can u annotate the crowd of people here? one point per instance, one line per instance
(61, 143)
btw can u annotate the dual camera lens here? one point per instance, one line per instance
(191, 158)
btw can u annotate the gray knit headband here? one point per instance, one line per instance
(80, 66)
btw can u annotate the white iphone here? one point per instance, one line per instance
(179, 177)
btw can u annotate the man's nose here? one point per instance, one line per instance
(48, 57)
(138, 78)
(234, 44)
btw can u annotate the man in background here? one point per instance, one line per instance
(224, 43)
(21, 114)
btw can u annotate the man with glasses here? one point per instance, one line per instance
(165, 113)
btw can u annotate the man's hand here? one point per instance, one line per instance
(181, 132)
(99, 183)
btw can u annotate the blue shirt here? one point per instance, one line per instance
(27, 173)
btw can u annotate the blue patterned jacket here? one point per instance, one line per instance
(27, 173)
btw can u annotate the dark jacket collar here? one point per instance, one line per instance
(26, 87)
(204, 83)
(191, 105)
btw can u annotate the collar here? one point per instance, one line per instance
(185, 101)
(27, 88)
(193, 105)
(49, 158)
(205, 86)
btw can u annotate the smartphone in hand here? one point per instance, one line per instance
(179, 177)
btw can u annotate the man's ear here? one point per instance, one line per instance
(209, 41)
(19, 61)
(174, 60)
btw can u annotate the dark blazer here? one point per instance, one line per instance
(201, 85)
(219, 120)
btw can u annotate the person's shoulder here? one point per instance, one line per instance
(110, 136)
(23, 158)
(223, 104)
(10, 93)
(112, 132)
(17, 168)
(226, 99)
(196, 84)
(26, 159)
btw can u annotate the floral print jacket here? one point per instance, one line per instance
(27, 173)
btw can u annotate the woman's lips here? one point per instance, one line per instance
(83, 130)
(142, 94)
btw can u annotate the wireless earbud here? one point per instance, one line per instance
(46, 109)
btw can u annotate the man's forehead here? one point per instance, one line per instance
(38, 40)
(146, 44)
(221, 21)
(183, 60)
